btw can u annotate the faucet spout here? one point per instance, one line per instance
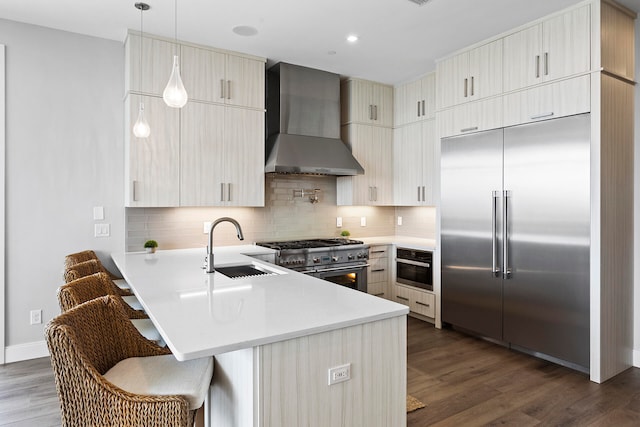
(209, 266)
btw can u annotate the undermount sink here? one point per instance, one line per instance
(245, 270)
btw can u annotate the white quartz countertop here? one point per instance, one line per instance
(402, 241)
(201, 314)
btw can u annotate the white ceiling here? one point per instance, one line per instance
(399, 40)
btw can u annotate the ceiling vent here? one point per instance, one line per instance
(419, 2)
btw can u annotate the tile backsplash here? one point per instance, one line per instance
(286, 215)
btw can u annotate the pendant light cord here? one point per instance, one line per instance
(175, 23)
(141, 46)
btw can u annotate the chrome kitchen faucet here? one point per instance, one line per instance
(209, 262)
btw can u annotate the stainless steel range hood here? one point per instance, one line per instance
(303, 123)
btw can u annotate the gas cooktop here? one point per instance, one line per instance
(309, 244)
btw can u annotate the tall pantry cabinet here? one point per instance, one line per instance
(577, 60)
(208, 153)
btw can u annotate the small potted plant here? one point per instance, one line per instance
(345, 234)
(150, 246)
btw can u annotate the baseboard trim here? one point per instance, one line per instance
(636, 358)
(20, 352)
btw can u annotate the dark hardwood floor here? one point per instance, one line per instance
(464, 381)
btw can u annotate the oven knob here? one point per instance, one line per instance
(350, 257)
(316, 260)
(360, 256)
(334, 258)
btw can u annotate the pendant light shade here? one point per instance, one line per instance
(174, 94)
(141, 128)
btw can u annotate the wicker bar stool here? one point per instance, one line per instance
(86, 268)
(107, 374)
(97, 285)
(88, 255)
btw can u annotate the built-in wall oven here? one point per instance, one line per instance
(414, 268)
(340, 261)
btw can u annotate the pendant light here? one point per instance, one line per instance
(174, 94)
(141, 128)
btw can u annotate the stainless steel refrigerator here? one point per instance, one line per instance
(515, 233)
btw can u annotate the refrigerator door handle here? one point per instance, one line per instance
(506, 271)
(494, 232)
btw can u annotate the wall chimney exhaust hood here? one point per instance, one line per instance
(303, 123)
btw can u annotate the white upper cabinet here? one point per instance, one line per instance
(366, 102)
(470, 75)
(156, 61)
(415, 101)
(213, 76)
(414, 154)
(556, 48)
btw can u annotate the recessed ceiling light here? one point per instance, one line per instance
(331, 52)
(245, 30)
(352, 38)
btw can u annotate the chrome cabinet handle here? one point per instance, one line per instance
(378, 295)
(537, 66)
(423, 198)
(228, 192)
(228, 89)
(375, 110)
(469, 129)
(222, 191)
(423, 113)
(471, 85)
(542, 115)
(494, 231)
(222, 88)
(546, 63)
(465, 87)
(370, 112)
(423, 304)
(418, 108)
(135, 193)
(418, 193)
(378, 270)
(506, 271)
(402, 298)
(375, 192)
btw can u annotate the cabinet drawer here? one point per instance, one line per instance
(402, 295)
(550, 101)
(423, 303)
(378, 251)
(378, 289)
(471, 117)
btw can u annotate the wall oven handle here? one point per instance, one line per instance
(350, 267)
(506, 271)
(494, 232)
(416, 263)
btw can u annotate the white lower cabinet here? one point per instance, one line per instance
(378, 271)
(550, 101)
(419, 302)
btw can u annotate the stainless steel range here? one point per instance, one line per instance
(341, 261)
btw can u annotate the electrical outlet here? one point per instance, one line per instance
(36, 317)
(339, 374)
(206, 226)
(339, 221)
(363, 221)
(399, 220)
(101, 230)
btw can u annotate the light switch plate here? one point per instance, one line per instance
(339, 221)
(399, 220)
(206, 226)
(363, 221)
(101, 230)
(98, 213)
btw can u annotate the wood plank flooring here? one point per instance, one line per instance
(463, 381)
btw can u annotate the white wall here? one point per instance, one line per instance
(64, 155)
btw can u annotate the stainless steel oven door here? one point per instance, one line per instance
(353, 276)
(414, 273)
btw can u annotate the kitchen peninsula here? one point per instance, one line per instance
(275, 336)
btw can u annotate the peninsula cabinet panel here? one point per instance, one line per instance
(222, 156)
(470, 75)
(414, 157)
(472, 117)
(558, 47)
(152, 164)
(550, 101)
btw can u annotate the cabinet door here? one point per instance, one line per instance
(428, 142)
(553, 100)
(522, 62)
(245, 82)
(203, 73)
(453, 83)
(244, 157)
(472, 117)
(407, 108)
(356, 102)
(428, 96)
(153, 162)
(407, 165)
(567, 44)
(202, 155)
(485, 71)
(157, 60)
(382, 102)
(380, 157)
